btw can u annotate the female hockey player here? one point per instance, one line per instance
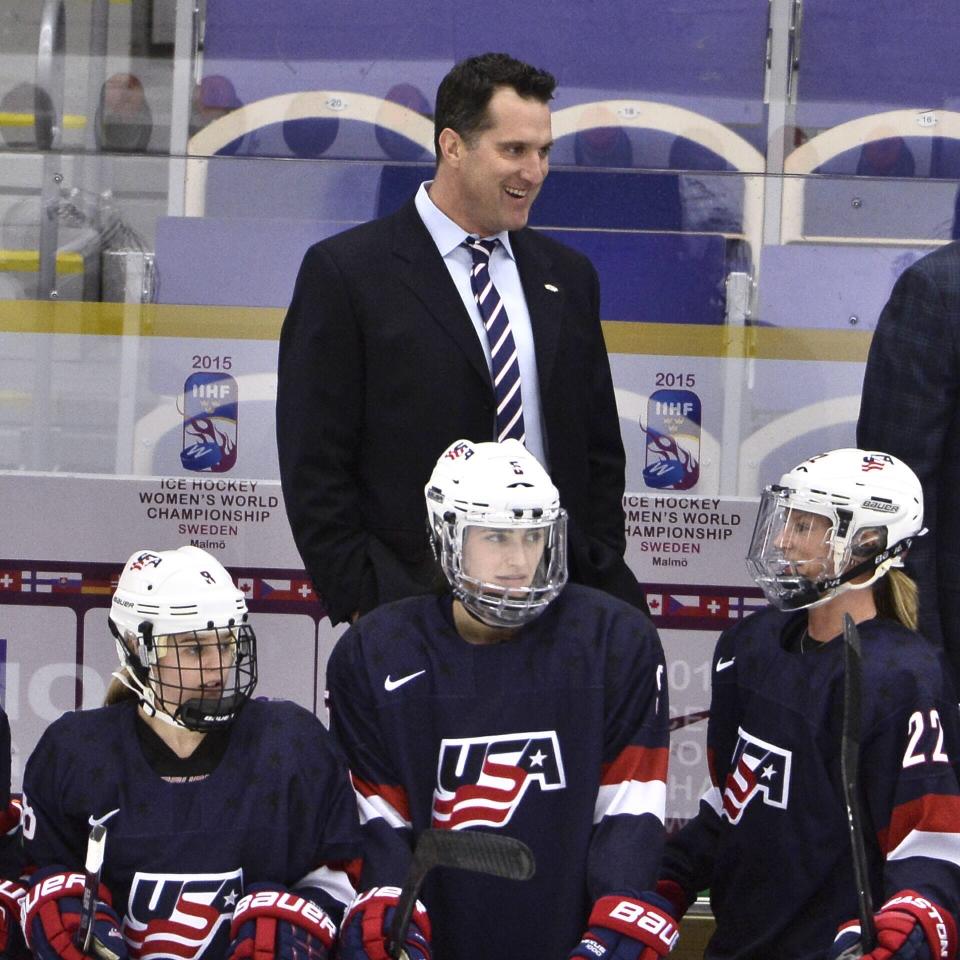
(771, 838)
(516, 704)
(230, 821)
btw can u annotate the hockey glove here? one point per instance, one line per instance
(676, 896)
(11, 936)
(50, 915)
(622, 928)
(10, 818)
(365, 934)
(909, 927)
(273, 923)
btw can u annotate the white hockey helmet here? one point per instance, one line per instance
(831, 519)
(184, 604)
(500, 488)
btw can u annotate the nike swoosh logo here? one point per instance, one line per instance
(389, 684)
(723, 664)
(100, 821)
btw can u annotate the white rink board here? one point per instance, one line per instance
(110, 517)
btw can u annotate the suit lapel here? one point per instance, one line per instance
(420, 266)
(545, 298)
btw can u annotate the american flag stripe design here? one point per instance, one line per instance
(931, 814)
(386, 802)
(633, 797)
(503, 349)
(498, 794)
(931, 844)
(634, 783)
(374, 807)
(636, 763)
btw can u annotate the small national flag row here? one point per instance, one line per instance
(21, 580)
(54, 581)
(706, 608)
(262, 588)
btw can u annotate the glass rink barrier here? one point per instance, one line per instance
(164, 166)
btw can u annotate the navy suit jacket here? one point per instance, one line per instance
(909, 408)
(380, 369)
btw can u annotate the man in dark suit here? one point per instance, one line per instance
(910, 408)
(385, 357)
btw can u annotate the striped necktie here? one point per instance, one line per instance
(505, 366)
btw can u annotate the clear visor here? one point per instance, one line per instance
(793, 554)
(507, 574)
(201, 678)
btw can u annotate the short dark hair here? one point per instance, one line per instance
(465, 92)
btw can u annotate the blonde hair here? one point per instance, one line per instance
(896, 598)
(117, 692)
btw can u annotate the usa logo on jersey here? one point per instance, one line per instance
(181, 916)
(481, 780)
(758, 769)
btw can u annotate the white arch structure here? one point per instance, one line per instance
(308, 105)
(651, 115)
(641, 114)
(847, 136)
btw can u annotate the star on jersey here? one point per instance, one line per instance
(759, 769)
(481, 780)
(180, 916)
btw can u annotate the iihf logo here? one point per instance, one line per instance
(210, 405)
(759, 769)
(673, 440)
(481, 780)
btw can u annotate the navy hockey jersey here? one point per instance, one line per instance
(557, 736)
(771, 838)
(278, 807)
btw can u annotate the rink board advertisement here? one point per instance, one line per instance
(689, 552)
(56, 652)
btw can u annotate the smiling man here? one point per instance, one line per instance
(450, 318)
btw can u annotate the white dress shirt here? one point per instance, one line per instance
(448, 237)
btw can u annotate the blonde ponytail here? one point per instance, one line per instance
(896, 598)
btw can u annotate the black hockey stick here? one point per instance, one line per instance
(85, 939)
(96, 843)
(489, 853)
(849, 769)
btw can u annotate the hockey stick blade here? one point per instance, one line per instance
(849, 770)
(489, 853)
(96, 844)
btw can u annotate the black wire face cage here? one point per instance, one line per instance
(202, 678)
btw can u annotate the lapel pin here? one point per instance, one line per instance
(551, 288)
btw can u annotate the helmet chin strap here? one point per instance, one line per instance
(144, 695)
(208, 713)
(816, 594)
(461, 595)
(190, 715)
